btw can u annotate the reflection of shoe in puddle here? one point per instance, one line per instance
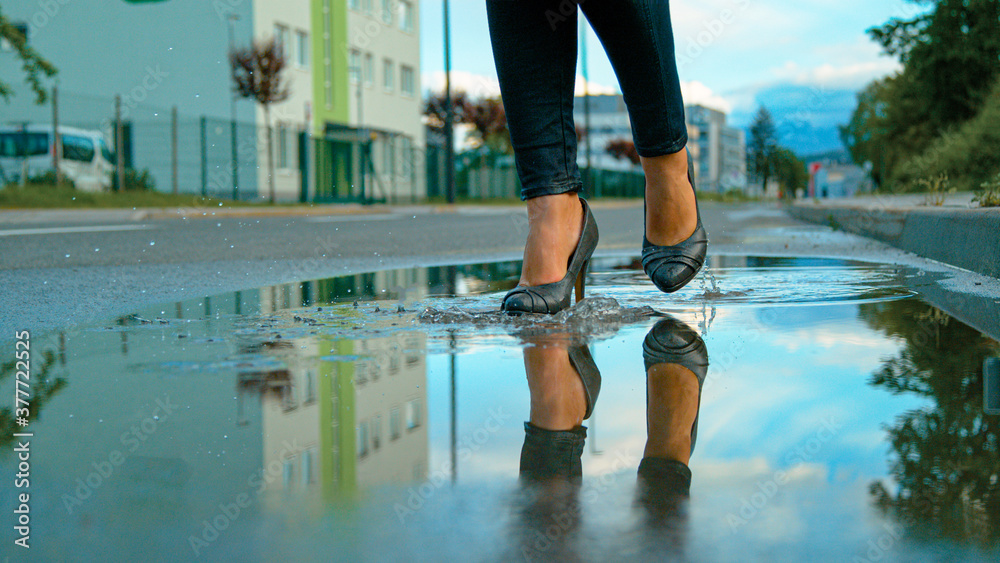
(673, 343)
(676, 362)
(554, 438)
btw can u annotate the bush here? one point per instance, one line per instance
(990, 196)
(969, 155)
(135, 180)
(48, 179)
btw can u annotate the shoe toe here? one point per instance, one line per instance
(671, 276)
(518, 303)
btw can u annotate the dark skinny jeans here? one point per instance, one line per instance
(535, 49)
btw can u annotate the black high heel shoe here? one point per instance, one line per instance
(673, 267)
(671, 341)
(551, 298)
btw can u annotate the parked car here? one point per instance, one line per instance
(27, 151)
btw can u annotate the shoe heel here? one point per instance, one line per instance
(581, 280)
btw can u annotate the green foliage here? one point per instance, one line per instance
(912, 125)
(936, 189)
(990, 196)
(790, 171)
(944, 453)
(969, 154)
(135, 180)
(48, 178)
(33, 65)
(762, 146)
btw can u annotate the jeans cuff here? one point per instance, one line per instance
(550, 454)
(551, 189)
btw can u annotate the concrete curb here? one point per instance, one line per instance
(966, 238)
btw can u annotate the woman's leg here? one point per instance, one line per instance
(534, 47)
(638, 37)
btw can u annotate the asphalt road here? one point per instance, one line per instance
(59, 269)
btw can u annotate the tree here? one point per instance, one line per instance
(486, 115)
(762, 146)
(257, 75)
(790, 172)
(623, 149)
(33, 65)
(951, 61)
(945, 458)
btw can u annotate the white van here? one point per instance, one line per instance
(27, 151)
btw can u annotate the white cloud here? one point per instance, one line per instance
(696, 93)
(476, 85)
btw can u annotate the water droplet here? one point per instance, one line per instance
(152, 243)
(67, 256)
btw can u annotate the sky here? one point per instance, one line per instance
(728, 50)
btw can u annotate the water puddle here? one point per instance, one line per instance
(381, 417)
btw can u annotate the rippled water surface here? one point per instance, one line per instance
(381, 417)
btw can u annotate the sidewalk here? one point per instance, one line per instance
(955, 233)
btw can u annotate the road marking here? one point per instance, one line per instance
(63, 230)
(354, 218)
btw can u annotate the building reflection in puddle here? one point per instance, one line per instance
(347, 422)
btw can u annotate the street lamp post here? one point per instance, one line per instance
(449, 120)
(232, 112)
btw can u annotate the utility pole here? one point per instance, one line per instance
(232, 115)
(586, 112)
(173, 149)
(119, 145)
(449, 120)
(56, 139)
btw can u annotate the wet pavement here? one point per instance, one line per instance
(841, 417)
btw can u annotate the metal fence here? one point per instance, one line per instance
(201, 155)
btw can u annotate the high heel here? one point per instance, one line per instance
(551, 298)
(586, 368)
(671, 341)
(673, 267)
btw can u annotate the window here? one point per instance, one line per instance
(301, 48)
(387, 11)
(389, 76)
(368, 7)
(282, 40)
(406, 146)
(363, 439)
(406, 16)
(310, 387)
(369, 69)
(308, 471)
(355, 4)
(282, 146)
(413, 414)
(389, 168)
(288, 473)
(24, 144)
(376, 430)
(394, 423)
(77, 148)
(407, 81)
(355, 64)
